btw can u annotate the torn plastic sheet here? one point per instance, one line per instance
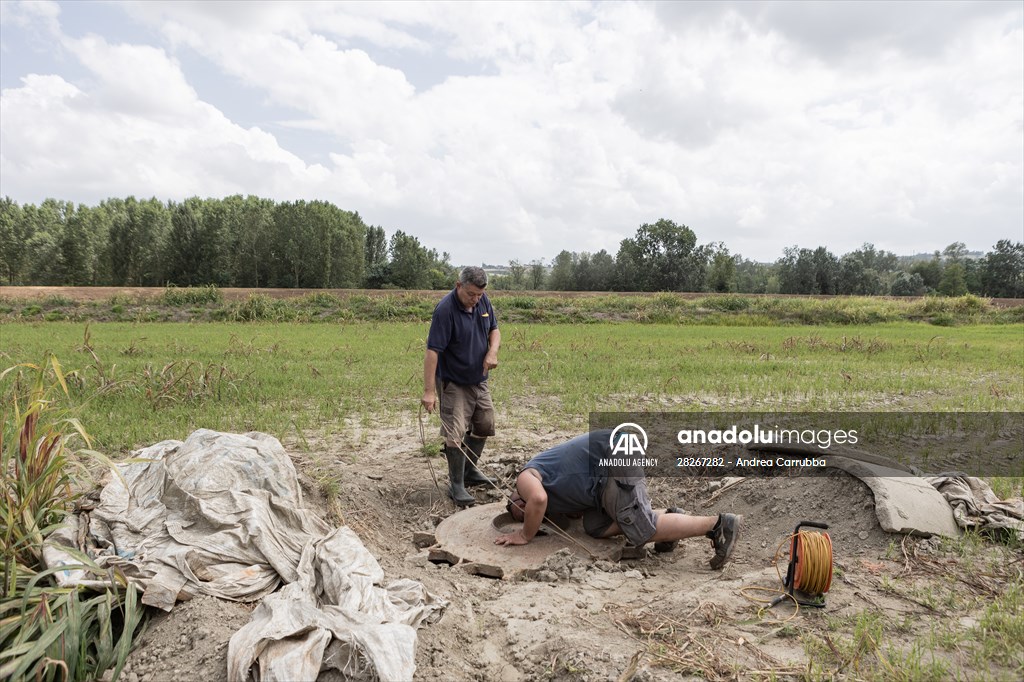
(363, 631)
(976, 507)
(222, 514)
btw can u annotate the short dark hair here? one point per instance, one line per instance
(473, 275)
(516, 506)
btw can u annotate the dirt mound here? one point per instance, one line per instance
(772, 507)
(189, 643)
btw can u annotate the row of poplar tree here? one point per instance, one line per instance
(232, 242)
(254, 242)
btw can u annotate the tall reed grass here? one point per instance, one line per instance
(49, 631)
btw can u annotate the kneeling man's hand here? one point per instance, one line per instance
(511, 539)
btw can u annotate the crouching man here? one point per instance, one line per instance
(568, 479)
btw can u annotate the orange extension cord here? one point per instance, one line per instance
(812, 573)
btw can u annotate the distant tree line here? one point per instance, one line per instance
(253, 242)
(232, 242)
(666, 257)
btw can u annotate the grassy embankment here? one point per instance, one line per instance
(208, 304)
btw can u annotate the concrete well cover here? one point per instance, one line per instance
(467, 538)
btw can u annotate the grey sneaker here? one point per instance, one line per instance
(724, 536)
(668, 545)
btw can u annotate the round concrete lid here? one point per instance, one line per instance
(467, 537)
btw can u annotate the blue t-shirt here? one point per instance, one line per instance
(460, 338)
(570, 473)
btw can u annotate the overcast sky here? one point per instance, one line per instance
(504, 130)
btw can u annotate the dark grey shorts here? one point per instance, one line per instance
(624, 501)
(464, 408)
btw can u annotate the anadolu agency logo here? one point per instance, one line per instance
(629, 440)
(628, 444)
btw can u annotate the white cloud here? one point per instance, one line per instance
(140, 129)
(757, 124)
(134, 79)
(27, 14)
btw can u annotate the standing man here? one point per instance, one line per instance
(462, 347)
(571, 479)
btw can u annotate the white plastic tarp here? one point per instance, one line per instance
(977, 507)
(222, 514)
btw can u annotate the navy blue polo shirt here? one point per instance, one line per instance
(460, 338)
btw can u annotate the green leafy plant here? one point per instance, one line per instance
(259, 307)
(49, 631)
(174, 296)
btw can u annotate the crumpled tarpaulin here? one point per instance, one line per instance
(363, 631)
(975, 506)
(222, 514)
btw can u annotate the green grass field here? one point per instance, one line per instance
(134, 384)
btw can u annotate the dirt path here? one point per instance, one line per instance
(650, 619)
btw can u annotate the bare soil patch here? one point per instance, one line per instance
(662, 617)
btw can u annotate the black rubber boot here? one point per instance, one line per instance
(456, 473)
(668, 545)
(474, 447)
